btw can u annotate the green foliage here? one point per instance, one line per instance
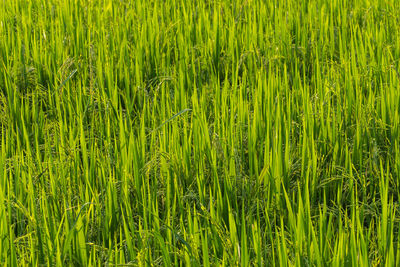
(199, 133)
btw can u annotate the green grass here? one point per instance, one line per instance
(199, 133)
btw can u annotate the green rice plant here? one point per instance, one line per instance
(199, 133)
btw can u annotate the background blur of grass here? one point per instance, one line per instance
(197, 133)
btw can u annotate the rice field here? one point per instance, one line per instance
(199, 133)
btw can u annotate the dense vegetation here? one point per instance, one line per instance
(197, 133)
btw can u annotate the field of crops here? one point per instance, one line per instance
(199, 133)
